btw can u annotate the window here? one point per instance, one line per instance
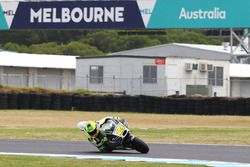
(96, 74)
(195, 66)
(149, 74)
(215, 77)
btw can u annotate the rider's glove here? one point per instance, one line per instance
(102, 142)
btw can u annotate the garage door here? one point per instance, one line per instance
(15, 76)
(49, 78)
(245, 88)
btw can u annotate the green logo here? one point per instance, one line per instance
(146, 11)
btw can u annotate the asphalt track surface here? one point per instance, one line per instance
(174, 151)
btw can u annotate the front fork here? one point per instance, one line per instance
(128, 139)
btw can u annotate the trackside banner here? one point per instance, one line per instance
(76, 15)
(131, 14)
(200, 14)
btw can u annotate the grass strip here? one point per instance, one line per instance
(26, 161)
(66, 119)
(229, 136)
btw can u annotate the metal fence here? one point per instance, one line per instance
(133, 86)
(57, 82)
(160, 87)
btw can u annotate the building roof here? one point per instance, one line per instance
(117, 56)
(215, 48)
(37, 60)
(210, 52)
(239, 70)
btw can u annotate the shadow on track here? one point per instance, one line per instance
(109, 153)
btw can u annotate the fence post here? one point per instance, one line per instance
(140, 85)
(7, 79)
(132, 86)
(87, 82)
(113, 84)
(228, 87)
(166, 83)
(180, 87)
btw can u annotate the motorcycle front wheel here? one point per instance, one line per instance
(139, 145)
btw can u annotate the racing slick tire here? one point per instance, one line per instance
(139, 145)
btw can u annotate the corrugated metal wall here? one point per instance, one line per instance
(38, 77)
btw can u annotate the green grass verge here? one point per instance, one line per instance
(177, 135)
(228, 136)
(40, 90)
(26, 161)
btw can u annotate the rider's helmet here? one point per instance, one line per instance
(91, 128)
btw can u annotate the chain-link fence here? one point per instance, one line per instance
(44, 81)
(133, 86)
(156, 87)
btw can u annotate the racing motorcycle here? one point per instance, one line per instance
(120, 137)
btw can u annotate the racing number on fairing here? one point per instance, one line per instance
(120, 129)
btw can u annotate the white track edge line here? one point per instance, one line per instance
(136, 159)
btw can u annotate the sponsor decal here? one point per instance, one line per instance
(9, 10)
(3, 23)
(160, 61)
(216, 13)
(146, 8)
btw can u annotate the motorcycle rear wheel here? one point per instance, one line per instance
(139, 145)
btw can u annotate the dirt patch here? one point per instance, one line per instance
(69, 119)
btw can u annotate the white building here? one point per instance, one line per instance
(160, 70)
(36, 70)
(240, 80)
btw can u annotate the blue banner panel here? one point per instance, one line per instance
(3, 23)
(200, 14)
(131, 14)
(78, 15)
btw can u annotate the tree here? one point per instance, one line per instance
(109, 41)
(16, 48)
(106, 41)
(98, 42)
(81, 49)
(29, 37)
(133, 42)
(187, 36)
(46, 48)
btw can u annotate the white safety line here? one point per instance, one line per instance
(197, 144)
(151, 160)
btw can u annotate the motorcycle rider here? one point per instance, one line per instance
(95, 132)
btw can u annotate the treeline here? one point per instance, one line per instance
(92, 43)
(72, 48)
